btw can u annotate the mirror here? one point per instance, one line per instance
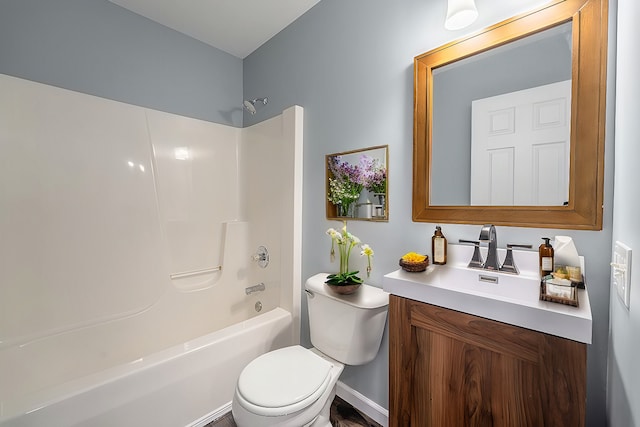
(527, 94)
(356, 184)
(516, 106)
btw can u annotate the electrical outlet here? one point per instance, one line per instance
(621, 271)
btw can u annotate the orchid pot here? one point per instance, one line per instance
(346, 281)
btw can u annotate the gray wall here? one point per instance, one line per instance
(96, 47)
(624, 346)
(350, 65)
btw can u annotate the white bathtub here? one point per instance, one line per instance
(122, 299)
(186, 385)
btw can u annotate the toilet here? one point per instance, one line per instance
(295, 386)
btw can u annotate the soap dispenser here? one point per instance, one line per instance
(439, 247)
(545, 252)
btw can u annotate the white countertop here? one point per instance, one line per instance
(514, 301)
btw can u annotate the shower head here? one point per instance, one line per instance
(250, 105)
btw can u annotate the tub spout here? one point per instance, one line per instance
(256, 288)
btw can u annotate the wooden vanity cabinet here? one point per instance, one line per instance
(449, 368)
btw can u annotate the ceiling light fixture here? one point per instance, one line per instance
(460, 14)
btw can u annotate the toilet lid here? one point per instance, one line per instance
(284, 377)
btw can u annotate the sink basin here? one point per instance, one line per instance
(491, 284)
(507, 298)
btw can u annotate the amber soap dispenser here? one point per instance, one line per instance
(439, 247)
(545, 252)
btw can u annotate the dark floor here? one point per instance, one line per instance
(342, 415)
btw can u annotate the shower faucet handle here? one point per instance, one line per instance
(261, 257)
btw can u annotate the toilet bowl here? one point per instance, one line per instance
(295, 386)
(289, 387)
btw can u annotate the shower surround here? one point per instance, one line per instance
(114, 221)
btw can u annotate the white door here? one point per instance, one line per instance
(520, 147)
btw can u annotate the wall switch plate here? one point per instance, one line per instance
(621, 271)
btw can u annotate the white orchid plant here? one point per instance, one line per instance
(345, 242)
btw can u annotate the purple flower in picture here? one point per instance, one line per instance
(347, 180)
(375, 174)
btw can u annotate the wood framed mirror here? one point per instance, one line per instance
(357, 184)
(445, 188)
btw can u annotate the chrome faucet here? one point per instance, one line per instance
(256, 288)
(509, 264)
(488, 234)
(476, 259)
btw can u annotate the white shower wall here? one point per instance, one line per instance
(271, 172)
(196, 171)
(100, 202)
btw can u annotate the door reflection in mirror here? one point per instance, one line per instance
(520, 144)
(533, 61)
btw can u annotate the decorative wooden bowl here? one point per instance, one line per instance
(345, 289)
(414, 267)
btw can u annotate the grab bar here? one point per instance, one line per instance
(256, 288)
(195, 272)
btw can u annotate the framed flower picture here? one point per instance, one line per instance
(356, 184)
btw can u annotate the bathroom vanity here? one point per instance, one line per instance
(464, 351)
(474, 347)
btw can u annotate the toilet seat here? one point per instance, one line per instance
(283, 381)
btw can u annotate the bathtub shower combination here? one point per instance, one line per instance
(129, 240)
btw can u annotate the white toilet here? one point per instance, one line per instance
(294, 386)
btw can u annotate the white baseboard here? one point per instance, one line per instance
(203, 421)
(363, 404)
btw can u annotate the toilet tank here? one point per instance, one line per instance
(347, 328)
